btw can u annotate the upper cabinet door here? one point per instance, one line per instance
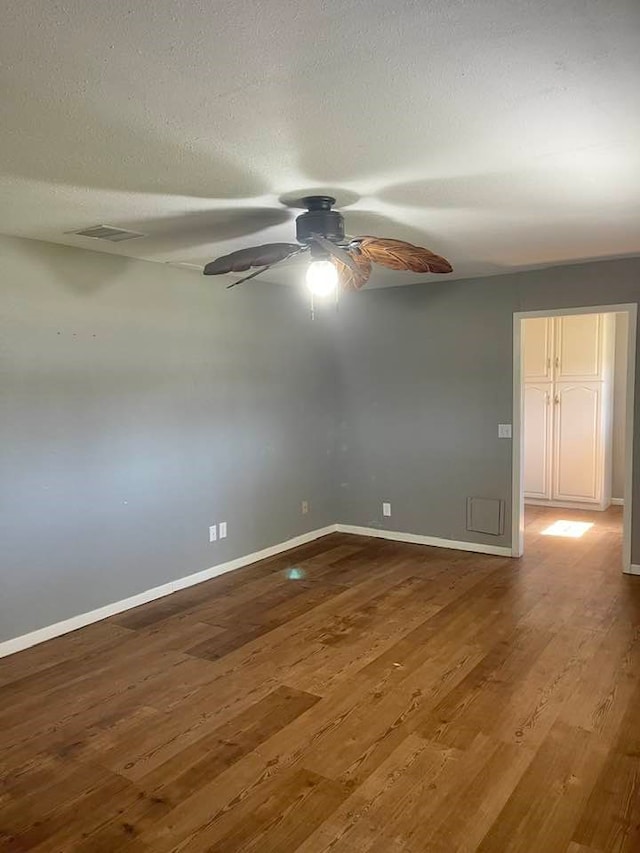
(579, 348)
(537, 341)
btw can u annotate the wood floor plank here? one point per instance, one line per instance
(173, 781)
(219, 749)
(266, 613)
(87, 806)
(384, 697)
(34, 662)
(548, 800)
(611, 817)
(484, 794)
(282, 822)
(357, 822)
(431, 814)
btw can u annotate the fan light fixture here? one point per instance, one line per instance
(322, 278)
(337, 261)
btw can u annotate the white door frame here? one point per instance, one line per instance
(517, 498)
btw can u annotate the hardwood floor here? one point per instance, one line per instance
(382, 697)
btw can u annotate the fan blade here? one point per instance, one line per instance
(256, 256)
(351, 280)
(398, 255)
(336, 252)
(248, 277)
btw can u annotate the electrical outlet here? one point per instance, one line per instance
(213, 533)
(222, 529)
(304, 507)
(386, 509)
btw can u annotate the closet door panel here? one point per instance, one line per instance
(578, 348)
(537, 341)
(576, 452)
(537, 441)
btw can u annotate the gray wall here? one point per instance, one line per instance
(426, 376)
(139, 404)
(619, 406)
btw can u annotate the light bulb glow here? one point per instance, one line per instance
(322, 278)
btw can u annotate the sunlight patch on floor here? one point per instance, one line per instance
(570, 529)
(295, 574)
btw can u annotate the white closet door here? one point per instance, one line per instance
(537, 440)
(579, 348)
(576, 453)
(537, 342)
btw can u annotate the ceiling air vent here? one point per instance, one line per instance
(107, 232)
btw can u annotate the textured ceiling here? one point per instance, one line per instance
(502, 134)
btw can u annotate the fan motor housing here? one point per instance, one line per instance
(319, 219)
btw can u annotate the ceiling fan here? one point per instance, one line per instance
(335, 259)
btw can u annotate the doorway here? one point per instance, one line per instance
(559, 388)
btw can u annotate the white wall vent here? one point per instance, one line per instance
(485, 515)
(108, 232)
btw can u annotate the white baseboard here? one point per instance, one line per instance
(417, 539)
(17, 644)
(617, 501)
(633, 570)
(590, 507)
